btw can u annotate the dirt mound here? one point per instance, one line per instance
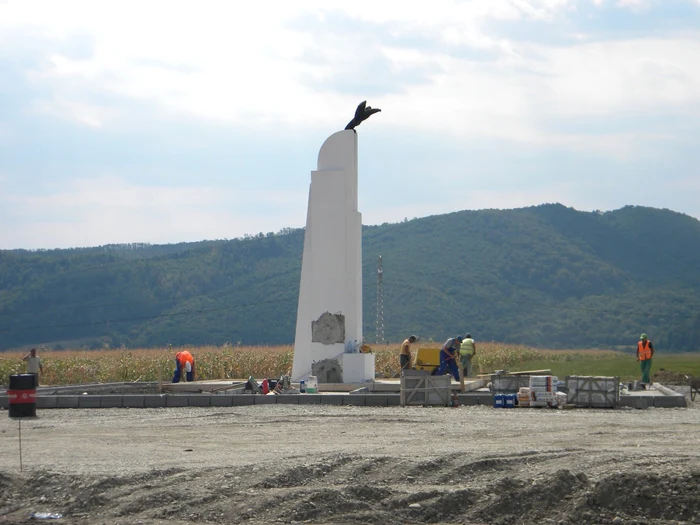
(337, 489)
(667, 377)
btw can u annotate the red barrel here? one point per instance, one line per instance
(22, 394)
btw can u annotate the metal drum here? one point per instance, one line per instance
(22, 394)
(499, 400)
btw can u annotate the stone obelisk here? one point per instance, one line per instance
(329, 318)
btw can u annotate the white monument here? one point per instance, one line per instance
(329, 318)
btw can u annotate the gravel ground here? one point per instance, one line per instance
(340, 464)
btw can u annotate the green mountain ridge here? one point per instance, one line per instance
(547, 276)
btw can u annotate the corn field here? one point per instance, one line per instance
(236, 362)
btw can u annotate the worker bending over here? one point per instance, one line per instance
(448, 357)
(467, 350)
(184, 362)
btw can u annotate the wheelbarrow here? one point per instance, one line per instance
(694, 384)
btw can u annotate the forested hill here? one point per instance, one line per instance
(548, 276)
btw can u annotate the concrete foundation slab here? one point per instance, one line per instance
(176, 400)
(640, 402)
(89, 401)
(110, 401)
(133, 401)
(670, 401)
(659, 396)
(67, 401)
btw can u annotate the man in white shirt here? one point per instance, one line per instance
(34, 365)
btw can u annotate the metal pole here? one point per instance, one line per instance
(379, 329)
(20, 444)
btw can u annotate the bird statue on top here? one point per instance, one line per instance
(363, 112)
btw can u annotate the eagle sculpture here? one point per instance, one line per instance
(363, 112)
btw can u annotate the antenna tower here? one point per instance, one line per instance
(380, 303)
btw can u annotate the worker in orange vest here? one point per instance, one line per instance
(645, 351)
(184, 362)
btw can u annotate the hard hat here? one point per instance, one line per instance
(643, 336)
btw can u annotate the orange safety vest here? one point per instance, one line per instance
(643, 350)
(184, 357)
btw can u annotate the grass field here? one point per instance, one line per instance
(229, 362)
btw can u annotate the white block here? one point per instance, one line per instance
(357, 368)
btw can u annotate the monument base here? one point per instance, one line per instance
(357, 368)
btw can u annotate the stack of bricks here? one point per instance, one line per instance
(543, 391)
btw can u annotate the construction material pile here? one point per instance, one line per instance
(593, 391)
(542, 392)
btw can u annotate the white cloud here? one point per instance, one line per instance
(445, 72)
(91, 115)
(251, 70)
(637, 4)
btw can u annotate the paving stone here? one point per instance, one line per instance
(290, 399)
(332, 399)
(133, 401)
(375, 400)
(309, 399)
(46, 402)
(89, 401)
(199, 400)
(111, 401)
(264, 400)
(468, 399)
(221, 400)
(242, 400)
(154, 401)
(176, 400)
(393, 400)
(67, 401)
(358, 400)
(485, 399)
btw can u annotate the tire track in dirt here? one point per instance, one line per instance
(326, 492)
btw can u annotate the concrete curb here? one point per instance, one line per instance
(662, 401)
(666, 398)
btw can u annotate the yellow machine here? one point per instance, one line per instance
(427, 359)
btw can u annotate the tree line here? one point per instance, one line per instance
(548, 276)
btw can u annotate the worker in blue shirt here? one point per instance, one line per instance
(448, 357)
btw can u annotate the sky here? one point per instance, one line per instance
(172, 121)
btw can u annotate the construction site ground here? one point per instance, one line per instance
(351, 465)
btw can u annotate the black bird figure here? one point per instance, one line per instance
(363, 112)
